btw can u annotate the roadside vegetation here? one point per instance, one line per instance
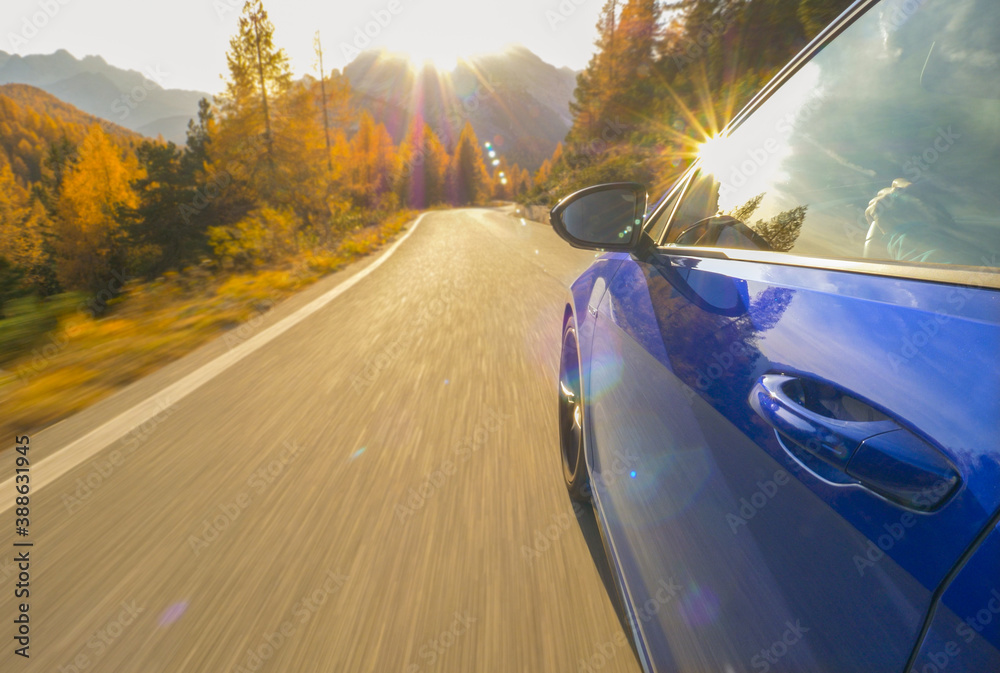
(666, 77)
(59, 358)
(119, 254)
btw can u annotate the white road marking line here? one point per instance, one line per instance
(77, 451)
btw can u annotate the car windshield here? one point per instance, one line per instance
(884, 146)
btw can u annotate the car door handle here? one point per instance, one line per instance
(846, 441)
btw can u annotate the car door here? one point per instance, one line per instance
(803, 369)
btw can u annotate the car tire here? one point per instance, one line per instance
(571, 422)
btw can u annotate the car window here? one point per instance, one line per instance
(663, 210)
(885, 146)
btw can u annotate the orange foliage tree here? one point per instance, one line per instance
(89, 230)
(468, 179)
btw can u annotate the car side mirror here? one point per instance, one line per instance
(602, 217)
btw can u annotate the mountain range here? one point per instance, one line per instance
(32, 122)
(513, 98)
(136, 100)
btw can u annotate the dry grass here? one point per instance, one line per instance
(84, 360)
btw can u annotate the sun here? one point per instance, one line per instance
(441, 57)
(716, 154)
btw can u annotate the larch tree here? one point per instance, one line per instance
(334, 98)
(524, 182)
(600, 83)
(423, 166)
(637, 51)
(89, 234)
(373, 162)
(59, 157)
(259, 72)
(469, 179)
(303, 177)
(545, 170)
(502, 181)
(23, 226)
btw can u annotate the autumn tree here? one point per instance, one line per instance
(23, 226)
(636, 50)
(13, 201)
(372, 162)
(89, 231)
(468, 178)
(270, 147)
(423, 167)
(258, 69)
(302, 162)
(518, 182)
(618, 81)
(259, 72)
(598, 84)
(509, 181)
(318, 48)
(523, 183)
(543, 172)
(340, 148)
(333, 101)
(291, 193)
(60, 156)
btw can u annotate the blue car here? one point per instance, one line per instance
(779, 387)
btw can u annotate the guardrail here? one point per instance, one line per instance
(536, 213)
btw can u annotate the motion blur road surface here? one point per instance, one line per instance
(268, 520)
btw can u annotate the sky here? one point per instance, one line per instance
(185, 41)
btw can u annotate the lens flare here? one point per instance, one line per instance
(443, 59)
(173, 613)
(716, 154)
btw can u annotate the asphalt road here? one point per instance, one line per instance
(375, 489)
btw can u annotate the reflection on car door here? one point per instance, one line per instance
(785, 558)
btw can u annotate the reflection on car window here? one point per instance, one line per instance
(655, 227)
(885, 146)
